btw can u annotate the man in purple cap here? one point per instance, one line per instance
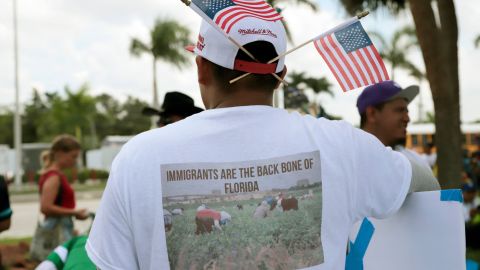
(383, 109)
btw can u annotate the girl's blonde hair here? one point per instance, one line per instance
(61, 143)
(45, 160)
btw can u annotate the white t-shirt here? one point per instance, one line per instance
(329, 174)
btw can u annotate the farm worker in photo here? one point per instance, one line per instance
(208, 219)
(202, 207)
(262, 210)
(167, 220)
(271, 201)
(360, 176)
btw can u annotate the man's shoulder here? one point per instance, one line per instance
(157, 137)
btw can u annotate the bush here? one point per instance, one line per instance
(81, 175)
(85, 174)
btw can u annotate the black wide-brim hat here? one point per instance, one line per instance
(174, 103)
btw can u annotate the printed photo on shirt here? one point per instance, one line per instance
(260, 214)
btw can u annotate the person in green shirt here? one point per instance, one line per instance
(71, 255)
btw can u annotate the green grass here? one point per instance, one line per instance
(14, 241)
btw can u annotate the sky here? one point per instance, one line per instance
(74, 42)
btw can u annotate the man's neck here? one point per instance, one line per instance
(374, 133)
(241, 98)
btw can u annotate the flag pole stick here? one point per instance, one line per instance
(350, 21)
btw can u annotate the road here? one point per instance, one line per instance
(26, 214)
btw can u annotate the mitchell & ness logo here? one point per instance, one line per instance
(254, 31)
(200, 43)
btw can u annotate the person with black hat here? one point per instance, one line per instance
(240, 149)
(176, 106)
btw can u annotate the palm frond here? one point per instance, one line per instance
(137, 47)
(354, 6)
(311, 4)
(168, 41)
(301, 81)
(378, 37)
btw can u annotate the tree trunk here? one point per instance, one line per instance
(155, 104)
(155, 92)
(440, 53)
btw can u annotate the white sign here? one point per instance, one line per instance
(428, 232)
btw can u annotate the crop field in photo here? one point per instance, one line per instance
(283, 240)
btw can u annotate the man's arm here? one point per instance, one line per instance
(4, 225)
(422, 178)
(217, 224)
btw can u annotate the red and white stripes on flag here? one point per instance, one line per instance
(227, 18)
(354, 69)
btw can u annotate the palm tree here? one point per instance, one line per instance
(167, 40)
(477, 41)
(301, 81)
(72, 114)
(395, 51)
(437, 32)
(275, 3)
(298, 83)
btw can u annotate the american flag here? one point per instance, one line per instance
(225, 13)
(351, 56)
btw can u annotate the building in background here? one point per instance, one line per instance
(419, 135)
(102, 158)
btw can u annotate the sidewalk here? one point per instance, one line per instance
(29, 192)
(26, 213)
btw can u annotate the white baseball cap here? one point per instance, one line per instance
(215, 47)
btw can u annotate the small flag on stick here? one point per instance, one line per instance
(351, 56)
(226, 13)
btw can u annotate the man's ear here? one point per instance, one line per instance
(203, 70)
(284, 72)
(371, 114)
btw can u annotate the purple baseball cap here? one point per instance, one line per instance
(384, 91)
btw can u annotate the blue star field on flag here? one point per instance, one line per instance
(353, 37)
(211, 7)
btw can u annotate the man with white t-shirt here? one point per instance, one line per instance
(239, 151)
